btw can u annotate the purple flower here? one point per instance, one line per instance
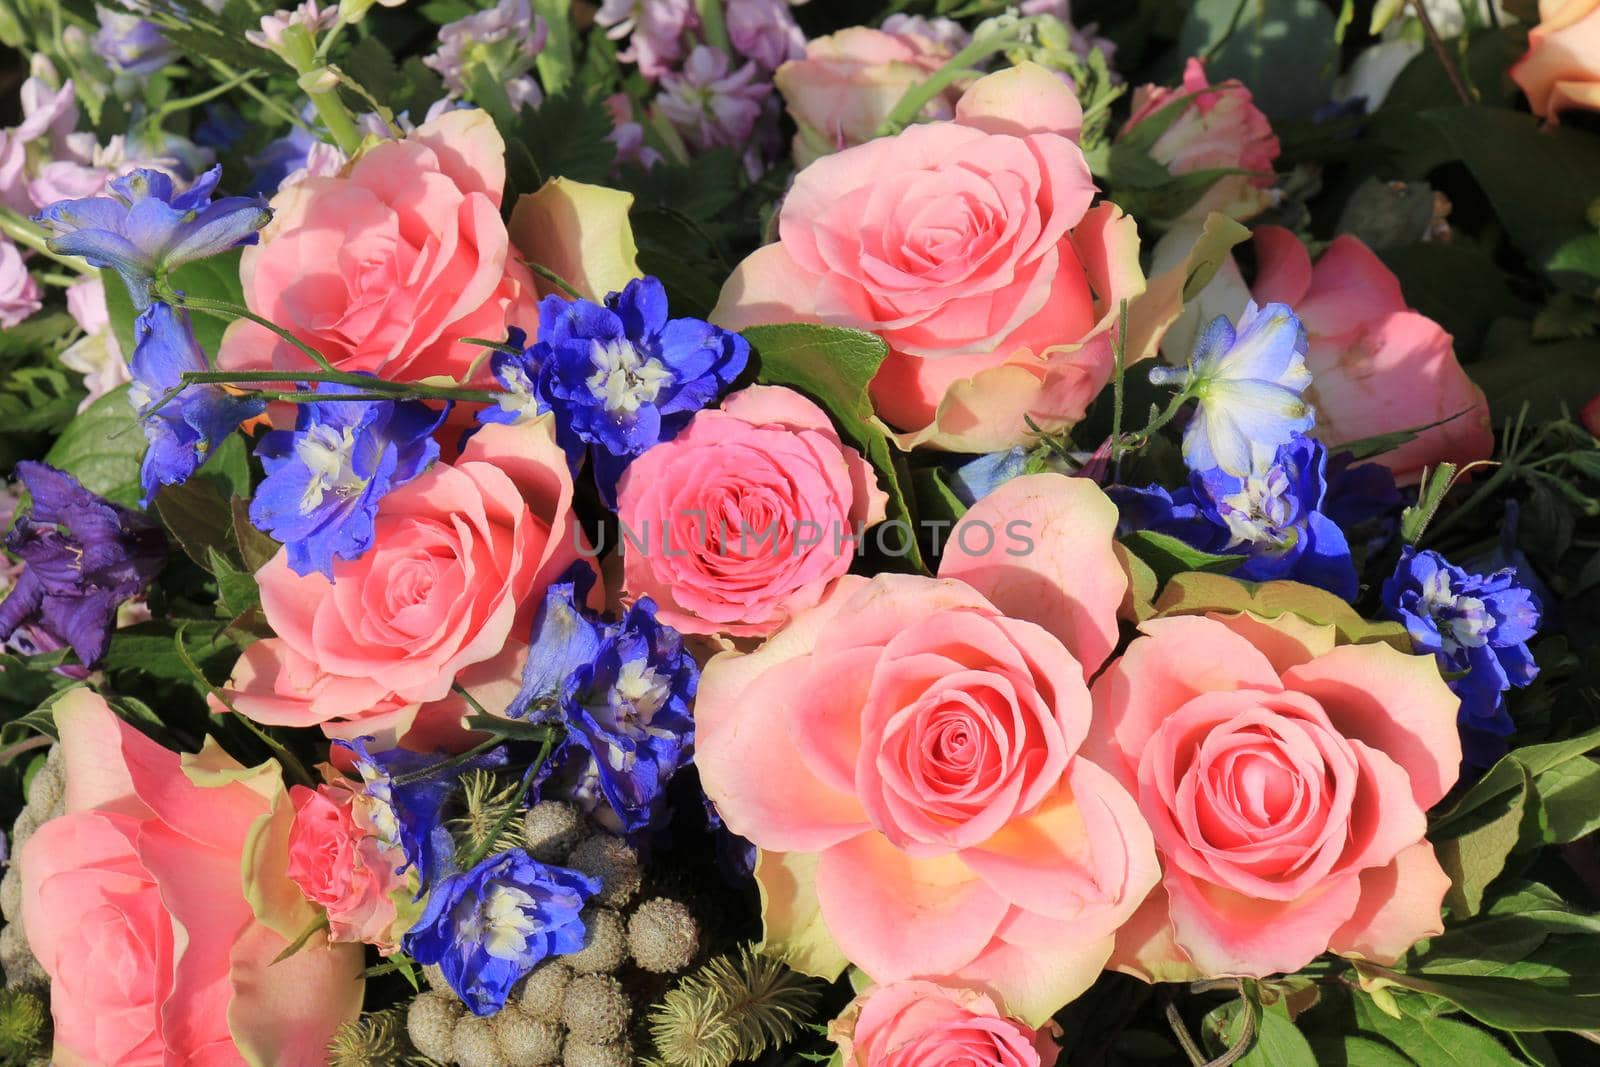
(146, 228)
(326, 477)
(490, 926)
(505, 39)
(131, 45)
(656, 31)
(765, 31)
(624, 692)
(711, 105)
(1478, 627)
(82, 555)
(185, 427)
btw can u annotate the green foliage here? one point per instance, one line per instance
(564, 137)
(733, 1008)
(102, 447)
(1168, 556)
(1282, 49)
(216, 278)
(834, 367)
(24, 1026)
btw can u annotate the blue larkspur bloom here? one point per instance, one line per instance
(488, 927)
(1478, 627)
(1248, 383)
(326, 477)
(978, 477)
(1272, 517)
(82, 557)
(131, 45)
(623, 690)
(183, 428)
(1365, 502)
(146, 227)
(620, 377)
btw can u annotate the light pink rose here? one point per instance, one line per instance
(339, 859)
(19, 293)
(848, 82)
(747, 516)
(1376, 366)
(386, 269)
(445, 594)
(158, 917)
(971, 248)
(923, 1024)
(1561, 68)
(905, 755)
(1218, 128)
(1287, 782)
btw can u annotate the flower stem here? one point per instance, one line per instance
(962, 63)
(31, 237)
(1440, 50)
(224, 308)
(448, 764)
(510, 813)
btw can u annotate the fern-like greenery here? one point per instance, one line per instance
(24, 1026)
(735, 1007)
(487, 802)
(376, 1039)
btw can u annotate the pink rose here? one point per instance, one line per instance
(848, 82)
(386, 269)
(19, 293)
(1561, 69)
(745, 517)
(1217, 128)
(1287, 782)
(1376, 366)
(905, 756)
(157, 915)
(1590, 415)
(922, 1024)
(446, 593)
(339, 858)
(971, 249)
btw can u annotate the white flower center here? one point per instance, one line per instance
(329, 454)
(501, 921)
(624, 379)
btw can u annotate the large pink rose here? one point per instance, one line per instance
(1376, 365)
(342, 860)
(905, 756)
(745, 517)
(1217, 128)
(388, 267)
(923, 1024)
(157, 914)
(446, 593)
(1561, 69)
(971, 248)
(848, 82)
(1287, 781)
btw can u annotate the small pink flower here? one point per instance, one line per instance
(712, 105)
(19, 293)
(97, 355)
(342, 863)
(747, 516)
(923, 1024)
(1287, 780)
(1218, 128)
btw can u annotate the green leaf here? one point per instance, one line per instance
(1458, 286)
(1515, 370)
(564, 137)
(103, 448)
(1541, 181)
(255, 547)
(1194, 593)
(1283, 50)
(1436, 482)
(216, 278)
(1378, 444)
(834, 367)
(1168, 556)
(1427, 1038)
(1569, 801)
(1356, 1051)
(197, 516)
(237, 591)
(1473, 847)
(148, 648)
(936, 501)
(1562, 993)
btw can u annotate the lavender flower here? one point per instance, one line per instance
(131, 45)
(764, 31)
(504, 39)
(656, 31)
(710, 104)
(83, 556)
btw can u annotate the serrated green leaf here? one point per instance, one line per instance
(834, 367)
(102, 447)
(148, 648)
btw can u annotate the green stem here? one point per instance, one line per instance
(172, 107)
(556, 280)
(510, 813)
(334, 115)
(498, 346)
(712, 24)
(31, 237)
(384, 389)
(265, 100)
(485, 89)
(448, 764)
(290, 762)
(962, 63)
(1119, 353)
(224, 308)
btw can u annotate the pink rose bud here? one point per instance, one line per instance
(923, 1024)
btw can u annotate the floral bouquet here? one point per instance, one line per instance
(697, 532)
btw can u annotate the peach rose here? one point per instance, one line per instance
(905, 756)
(1287, 781)
(745, 517)
(338, 859)
(922, 1024)
(1376, 365)
(157, 913)
(1218, 128)
(971, 248)
(848, 82)
(446, 593)
(386, 268)
(1562, 66)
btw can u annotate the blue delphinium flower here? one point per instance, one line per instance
(1365, 502)
(623, 690)
(326, 476)
(1248, 383)
(82, 557)
(977, 478)
(131, 45)
(187, 427)
(488, 927)
(409, 790)
(620, 377)
(1272, 517)
(1478, 627)
(146, 228)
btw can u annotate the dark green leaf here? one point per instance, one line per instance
(216, 278)
(197, 516)
(1429, 1039)
(255, 547)
(103, 447)
(1282, 49)
(1457, 286)
(1167, 556)
(148, 648)
(1515, 370)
